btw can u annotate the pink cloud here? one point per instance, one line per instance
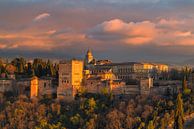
(114, 25)
(171, 22)
(183, 34)
(41, 16)
(130, 33)
(2, 46)
(113, 31)
(132, 28)
(39, 41)
(51, 32)
(145, 32)
(138, 40)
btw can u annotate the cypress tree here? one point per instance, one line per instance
(49, 69)
(179, 113)
(184, 83)
(163, 124)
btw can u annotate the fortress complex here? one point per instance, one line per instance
(95, 76)
(98, 75)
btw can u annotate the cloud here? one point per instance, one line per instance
(130, 33)
(110, 1)
(161, 33)
(129, 1)
(171, 22)
(183, 34)
(2, 46)
(41, 16)
(136, 27)
(38, 41)
(50, 32)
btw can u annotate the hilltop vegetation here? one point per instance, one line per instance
(92, 112)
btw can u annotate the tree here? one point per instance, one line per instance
(186, 71)
(184, 83)
(3, 72)
(129, 122)
(114, 120)
(105, 91)
(175, 74)
(19, 63)
(50, 69)
(81, 92)
(21, 68)
(10, 68)
(89, 106)
(40, 70)
(76, 120)
(39, 67)
(179, 113)
(163, 124)
(185, 89)
(142, 125)
(30, 70)
(91, 124)
(150, 125)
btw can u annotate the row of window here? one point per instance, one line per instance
(5, 84)
(125, 70)
(67, 74)
(65, 81)
(63, 74)
(99, 71)
(124, 77)
(76, 74)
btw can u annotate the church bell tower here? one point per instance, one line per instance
(89, 57)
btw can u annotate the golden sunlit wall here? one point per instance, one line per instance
(77, 72)
(70, 79)
(34, 87)
(148, 66)
(163, 68)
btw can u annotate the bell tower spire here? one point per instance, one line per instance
(89, 57)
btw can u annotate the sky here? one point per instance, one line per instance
(120, 30)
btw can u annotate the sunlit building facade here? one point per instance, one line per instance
(70, 79)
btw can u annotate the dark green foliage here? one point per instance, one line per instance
(30, 70)
(39, 68)
(50, 69)
(19, 63)
(43, 68)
